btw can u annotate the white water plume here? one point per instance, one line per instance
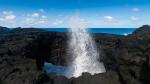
(83, 50)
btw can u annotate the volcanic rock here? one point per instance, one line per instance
(24, 51)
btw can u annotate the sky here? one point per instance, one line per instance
(56, 13)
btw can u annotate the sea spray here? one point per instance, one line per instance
(83, 50)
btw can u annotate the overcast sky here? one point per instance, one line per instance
(56, 13)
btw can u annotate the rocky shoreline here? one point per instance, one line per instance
(24, 51)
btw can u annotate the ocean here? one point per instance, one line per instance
(118, 31)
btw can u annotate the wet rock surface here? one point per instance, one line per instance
(24, 51)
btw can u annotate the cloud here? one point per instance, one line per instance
(34, 22)
(136, 9)
(108, 17)
(43, 16)
(35, 15)
(10, 17)
(133, 18)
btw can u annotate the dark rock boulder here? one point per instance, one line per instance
(109, 77)
(16, 70)
(47, 47)
(4, 30)
(43, 79)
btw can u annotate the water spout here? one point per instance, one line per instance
(83, 50)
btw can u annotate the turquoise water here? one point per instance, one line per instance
(120, 31)
(50, 68)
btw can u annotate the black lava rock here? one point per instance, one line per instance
(24, 51)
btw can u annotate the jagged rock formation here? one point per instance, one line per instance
(23, 52)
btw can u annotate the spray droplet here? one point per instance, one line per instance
(83, 49)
